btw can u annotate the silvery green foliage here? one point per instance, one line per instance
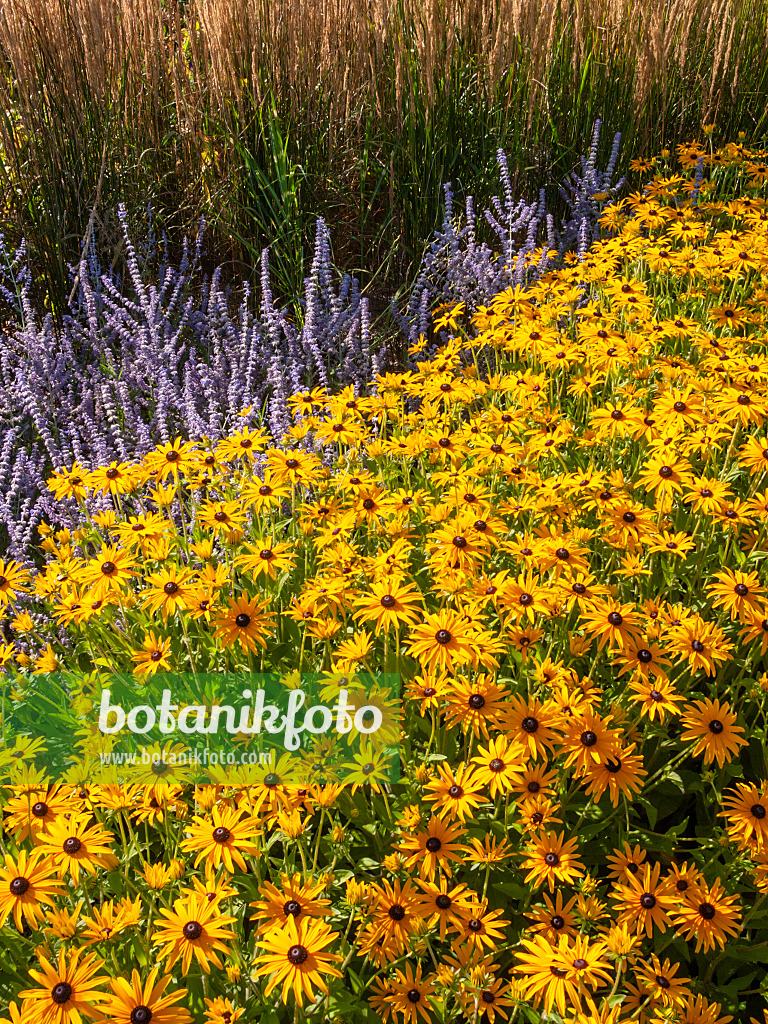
(141, 361)
(457, 268)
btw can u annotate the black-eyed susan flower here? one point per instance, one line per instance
(26, 883)
(455, 792)
(643, 900)
(221, 839)
(711, 726)
(245, 621)
(297, 957)
(707, 915)
(445, 904)
(294, 899)
(74, 846)
(411, 994)
(154, 656)
(589, 740)
(746, 813)
(554, 919)
(626, 862)
(544, 971)
(611, 622)
(739, 593)
(655, 697)
(195, 928)
(532, 724)
(497, 764)
(484, 929)
(551, 859)
(391, 603)
(659, 981)
(442, 641)
(475, 704)
(436, 846)
(66, 992)
(621, 773)
(111, 570)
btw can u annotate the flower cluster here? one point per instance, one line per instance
(554, 530)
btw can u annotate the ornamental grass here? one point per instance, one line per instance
(554, 531)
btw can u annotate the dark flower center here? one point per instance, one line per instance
(221, 517)
(697, 646)
(171, 587)
(705, 492)
(221, 834)
(72, 845)
(666, 472)
(292, 907)
(617, 414)
(530, 724)
(716, 726)
(741, 589)
(526, 599)
(615, 618)
(579, 964)
(644, 655)
(551, 860)
(60, 993)
(459, 542)
(474, 925)
(397, 912)
(242, 620)
(661, 981)
(455, 792)
(413, 995)
(563, 554)
(19, 886)
(707, 911)
(292, 463)
(476, 701)
(497, 765)
(297, 955)
(612, 765)
(579, 588)
(443, 902)
(656, 695)
(588, 738)
(192, 930)
(271, 779)
(429, 691)
(758, 811)
(39, 810)
(433, 844)
(388, 601)
(443, 636)
(557, 922)
(141, 1015)
(108, 568)
(629, 517)
(647, 901)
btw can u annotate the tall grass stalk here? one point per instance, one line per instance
(266, 113)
